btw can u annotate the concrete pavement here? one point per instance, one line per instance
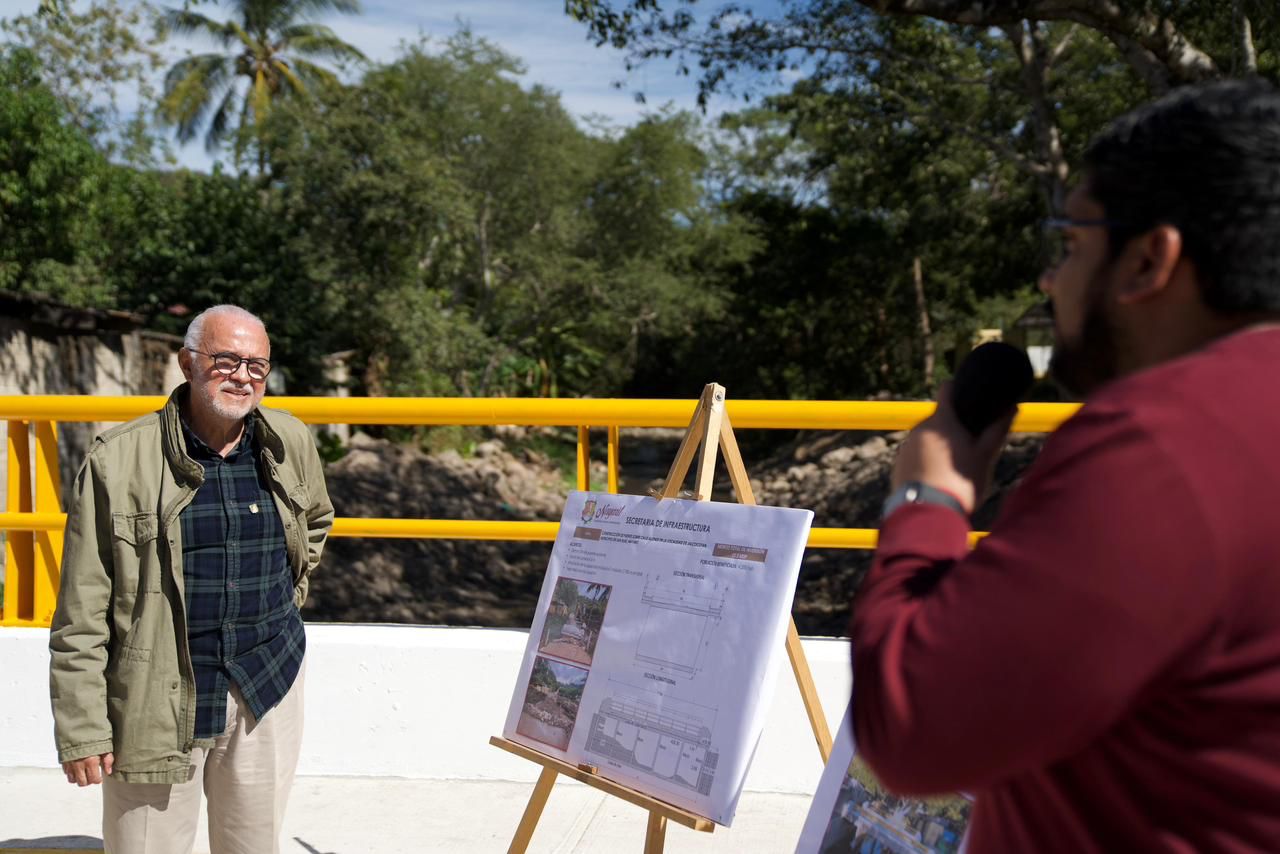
(384, 815)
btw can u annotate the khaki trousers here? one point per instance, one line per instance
(245, 776)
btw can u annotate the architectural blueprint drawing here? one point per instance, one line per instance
(678, 625)
(645, 734)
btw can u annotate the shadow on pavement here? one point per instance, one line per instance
(60, 843)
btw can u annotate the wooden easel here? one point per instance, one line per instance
(709, 422)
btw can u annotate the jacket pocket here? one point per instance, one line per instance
(134, 648)
(300, 499)
(137, 567)
(144, 693)
(136, 529)
(135, 654)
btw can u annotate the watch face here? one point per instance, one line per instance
(897, 498)
(915, 492)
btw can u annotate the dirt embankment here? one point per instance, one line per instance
(452, 582)
(843, 477)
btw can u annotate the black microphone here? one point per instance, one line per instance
(989, 382)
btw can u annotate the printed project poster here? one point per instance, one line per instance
(853, 814)
(656, 643)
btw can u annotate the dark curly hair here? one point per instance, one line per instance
(1206, 160)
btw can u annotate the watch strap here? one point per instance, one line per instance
(916, 492)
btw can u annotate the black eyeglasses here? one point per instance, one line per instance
(228, 363)
(1055, 243)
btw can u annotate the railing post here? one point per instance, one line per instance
(48, 551)
(614, 440)
(19, 561)
(584, 459)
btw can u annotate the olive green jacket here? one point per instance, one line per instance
(120, 673)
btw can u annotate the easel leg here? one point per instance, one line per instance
(533, 812)
(808, 692)
(656, 834)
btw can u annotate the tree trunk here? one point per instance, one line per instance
(926, 332)
(1248, 54)
(882, 349)
(1155, 48)
(486, 272)
(547, 383)
(1029, 48)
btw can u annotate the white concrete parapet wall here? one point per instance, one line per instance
(421, 702)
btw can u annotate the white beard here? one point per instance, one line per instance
(232, 409)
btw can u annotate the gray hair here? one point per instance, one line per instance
(195, 330)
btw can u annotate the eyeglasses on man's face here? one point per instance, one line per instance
(228, 363)
(1055, 241)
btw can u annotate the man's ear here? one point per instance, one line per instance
(1149, 261)
(184, 362)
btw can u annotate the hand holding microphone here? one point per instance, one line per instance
(990, 382)
(955, 449)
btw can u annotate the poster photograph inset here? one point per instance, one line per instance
(852, 813)
(551, 703)
(571, 626)
(657, 641)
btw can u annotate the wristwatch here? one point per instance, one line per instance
(915, 492)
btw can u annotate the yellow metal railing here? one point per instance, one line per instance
(33, 519)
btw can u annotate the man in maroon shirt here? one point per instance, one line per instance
(1103, 671)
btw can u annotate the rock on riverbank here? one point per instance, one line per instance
(842, 476)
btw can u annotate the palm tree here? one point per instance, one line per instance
(265, 44)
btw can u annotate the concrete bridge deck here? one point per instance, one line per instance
(396, 755)
(383, 815)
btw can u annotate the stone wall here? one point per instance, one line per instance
(47, 348)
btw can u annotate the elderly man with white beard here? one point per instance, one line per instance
(177, 646)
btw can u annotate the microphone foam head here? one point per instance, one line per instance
(989, 382)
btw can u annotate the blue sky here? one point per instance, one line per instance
(553, 47)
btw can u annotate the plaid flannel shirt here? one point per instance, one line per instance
(242, 623)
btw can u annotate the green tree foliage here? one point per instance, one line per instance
(933, 133)
(1166, 42)
(182, 241)
(100, 49)
(93, 233)
(542, 677)
(51, 189)
(457, 232)
(954, 808)
(381, 210)
(476, 241)
(643, 251)
(566, 594)
(849, 184)
(269, 47)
